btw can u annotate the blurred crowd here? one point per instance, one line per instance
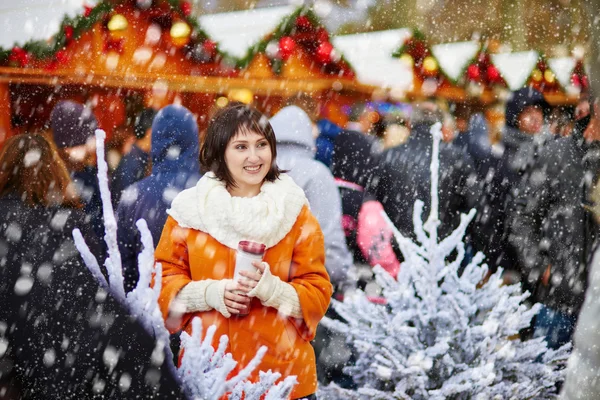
(533, 185)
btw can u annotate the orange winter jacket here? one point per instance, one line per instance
(299, 258)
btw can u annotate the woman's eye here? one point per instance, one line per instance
(262, 144)
(240, 147)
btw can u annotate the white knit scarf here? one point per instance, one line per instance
(265, 218)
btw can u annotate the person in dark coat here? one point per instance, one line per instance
(554, 231)
(488, 225)
(403, 176)
(134, 165)
(175, 166)
(73, 127)
(501, 171)
(61, 335)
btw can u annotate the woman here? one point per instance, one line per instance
(246, 197)
(61, 324)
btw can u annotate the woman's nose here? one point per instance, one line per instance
(253, 155)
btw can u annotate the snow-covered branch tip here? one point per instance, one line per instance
(113, 262)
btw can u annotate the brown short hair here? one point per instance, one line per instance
(223, 126)
(31, 169)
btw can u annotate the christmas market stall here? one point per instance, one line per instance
(121, 56)
(481, 74)
(116, 56)
(299, 54)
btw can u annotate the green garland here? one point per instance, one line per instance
(416, 34)
(284, 28)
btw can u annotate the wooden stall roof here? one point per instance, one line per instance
(181, 83)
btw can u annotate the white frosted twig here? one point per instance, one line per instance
(434, 218)
(113, 262)
(245, 373)
(88, 258)
(283, 389)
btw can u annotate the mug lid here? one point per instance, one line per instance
(252, 247)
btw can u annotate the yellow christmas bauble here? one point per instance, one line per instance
(407, 59)
(180, 30)
(180, 33)
(430, 65)
(536, 75)
(117, 23)
(549, 76)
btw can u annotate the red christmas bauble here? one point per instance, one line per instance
(575, 80)
(473, 72)
(493, 74)
(19, 56)
(68, 32)
(324, 52)
(303, 23)
(287, 45)
(186, 8)
(87, 10)
(210, 47)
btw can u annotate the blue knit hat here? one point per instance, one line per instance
(72, 124)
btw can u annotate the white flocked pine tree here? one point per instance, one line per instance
(204, 371)
(444, 334)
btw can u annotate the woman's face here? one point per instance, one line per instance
(248, 157)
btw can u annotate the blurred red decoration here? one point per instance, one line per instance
(19, 56)
(68, 32)
(303, 23)
(473, 72)
(493, 74)
(114, 45)
(51, 66)
(287, 45)
(322, 35)
(417, 49)
(186, 8)
(483, 60)
(541, 65)
(61, 57)
(87, 10)
(575, 80)
(210, 47)
(324, 52)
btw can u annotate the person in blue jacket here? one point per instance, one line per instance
(175, 166)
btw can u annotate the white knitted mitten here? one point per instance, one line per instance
(205, 295)
(273, 292)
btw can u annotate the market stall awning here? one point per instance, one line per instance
(25, 20)
(237, 31)
(371, 57)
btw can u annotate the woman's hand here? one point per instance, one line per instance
(236, 299)
(249, 279)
